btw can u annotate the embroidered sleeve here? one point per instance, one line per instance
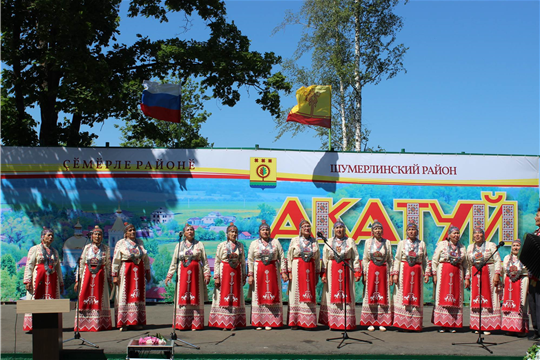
(357, 264)
(251, 257)
(82, 263)
(389, 257)
(317, 257)
(290, 255)
(397, 260)
(437, 257)
(174, 262)
(107, 264)
(282, 258)
(204, 260)
(496, 259)
(217, 263)
(30, 265)
(117, 258)
(365, 258)
(469, 262)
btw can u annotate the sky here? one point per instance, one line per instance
(472, 80)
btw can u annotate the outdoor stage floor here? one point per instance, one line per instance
(278, 343)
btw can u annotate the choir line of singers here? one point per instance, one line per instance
(265, 265)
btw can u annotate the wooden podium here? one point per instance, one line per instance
(46, 326)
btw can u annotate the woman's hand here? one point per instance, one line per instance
(357, 278)
(167, 281)
(250, 279)
(216, 283)
(76, 286)
(207, 280)
(148, 276)
(426, 279)
(323, 279)
(284, 277)
(496, 280)
(396, 278)
(467, 283)
(29, 287)
(435, 279)
(115, 280)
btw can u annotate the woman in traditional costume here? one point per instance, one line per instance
(42, 275)
(477, 255)
(334, 274)
(448, 267)
(377, 265)
(515, 317)
(228, 307)
(304, 267)
(266, 261)
(410, 266)
(190, 264)
(131, 272)
(95, 281)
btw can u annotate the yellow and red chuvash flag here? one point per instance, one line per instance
(314, 106)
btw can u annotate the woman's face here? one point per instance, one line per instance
(537, 219)
(377, 232)
(478, 237)
(232, 234)
(412, 233)
(340, 231)
(130, 233)
(306, 230)
(189, 233)
(97, 237)
(515, 248)
(48, 238)
(454, 236)
(265, 233)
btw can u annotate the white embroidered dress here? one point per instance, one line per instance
(268, 314)
(332, 313)
(188, 315)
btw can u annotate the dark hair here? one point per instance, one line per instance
(46, 230)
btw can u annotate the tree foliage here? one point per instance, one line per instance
(351, 44)
(64, 57)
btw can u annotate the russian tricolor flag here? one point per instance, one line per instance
(161, 101)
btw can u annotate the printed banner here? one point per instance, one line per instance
(160, 190)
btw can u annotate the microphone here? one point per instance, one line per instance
(500, 244)
(180, 234)
(320, 234)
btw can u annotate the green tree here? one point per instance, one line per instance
(267, 213)
(151, 245)
(9, 286)
(351, 43)
(139, 131)
(64, 57)
(8, 264)
(218, 222)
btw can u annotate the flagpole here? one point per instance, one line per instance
(179, 115)
(329, 139)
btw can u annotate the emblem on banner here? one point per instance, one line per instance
(262, 172)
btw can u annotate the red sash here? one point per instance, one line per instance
(135, 282)
(378, 283)
(231, 285)
(450, 285)
(92, 292)
(512, 295)
(306, 280)
(412, 284)
(267, 283)
(340, 277)
(189, 284)
(45, 285)
(486, 290)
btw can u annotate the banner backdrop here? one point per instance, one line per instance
(160, 190)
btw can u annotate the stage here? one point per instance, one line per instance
(283, 343)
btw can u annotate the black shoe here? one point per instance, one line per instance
(536, 336)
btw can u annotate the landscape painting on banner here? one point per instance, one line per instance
(161, 190)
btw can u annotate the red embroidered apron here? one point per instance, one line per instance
(450, 288)
(412, 284)
(231, 285)
(189, 284)
(267, 283)
(341, 275)
(306, 280)
(377, 285)
(92, 292)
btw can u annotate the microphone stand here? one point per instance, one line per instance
(480, 341)
(344, 335)
(175, 338)
(77, 334)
